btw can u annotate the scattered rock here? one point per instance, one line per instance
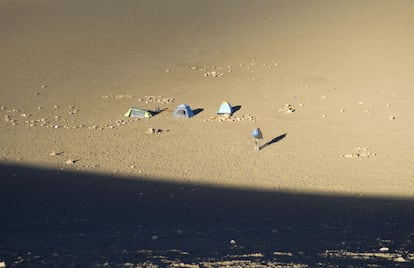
(70, 162)
(213, 74)
(231, 118)
(156, 99)
(116, 96)
(288, 109)
(392, 117)
(54, 153)
(384, 249)
(153, 131)
(360, 152)
(399, 259)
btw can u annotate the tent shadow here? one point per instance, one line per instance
(197, 111)
(157, 111)
(236, 108)
(274, 140)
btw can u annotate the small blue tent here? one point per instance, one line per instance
(225, 108)
(183, 111)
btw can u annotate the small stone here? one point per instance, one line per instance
(168, 70)
(70, 162)
(342, 110)
(399, 259)
(2, 264)
(391, 117)
(384, 249)
(324, 116)
(56, 106)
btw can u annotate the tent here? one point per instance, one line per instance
(183, 111)
(225, 108)
(139, 113)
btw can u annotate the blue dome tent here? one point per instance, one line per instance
(225, 108)
(183, 111)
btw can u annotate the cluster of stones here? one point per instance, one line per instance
(230, 118)
(153, 131)
(360, 152)
(212, 71)
(156, 99)
(288, 109)
(116, 96)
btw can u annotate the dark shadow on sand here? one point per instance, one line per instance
(235, 109)
(197, 111)
(274, 140)
(157, 111)
(54, 218)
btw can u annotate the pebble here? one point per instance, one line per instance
(70, 162)
(384, 249)
(391, 117)
(399, 259)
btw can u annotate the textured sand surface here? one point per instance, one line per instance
(346, 68)
(330, 84)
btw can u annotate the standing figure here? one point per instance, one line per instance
(257, 134)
